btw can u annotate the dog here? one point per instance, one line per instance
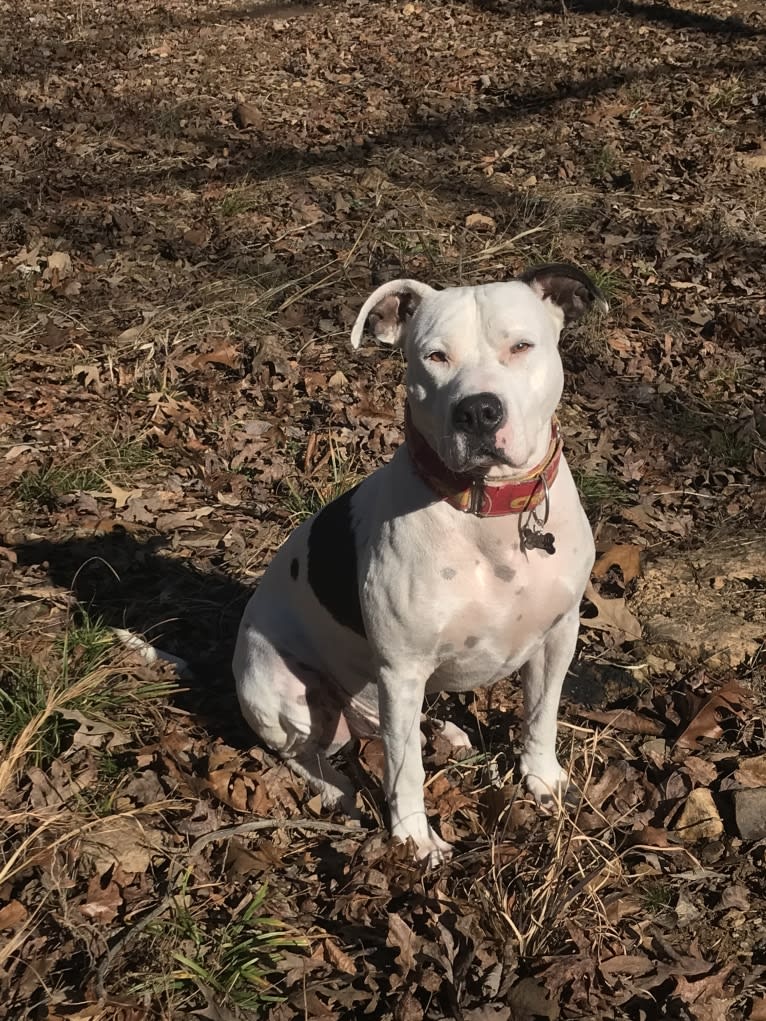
(459, 562)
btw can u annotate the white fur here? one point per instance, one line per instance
(450, 602)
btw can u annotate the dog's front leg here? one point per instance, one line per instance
(542, 677)
(400, 707)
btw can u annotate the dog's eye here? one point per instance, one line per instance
(437, 356)
(520, 345)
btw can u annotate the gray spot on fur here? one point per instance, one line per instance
(448, 573)
(470, 641)
(446, 649)
(520, 616)
(504, 572)
(557, 620)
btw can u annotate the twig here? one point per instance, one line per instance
(207, 838)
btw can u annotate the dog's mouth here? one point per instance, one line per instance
(477, 459)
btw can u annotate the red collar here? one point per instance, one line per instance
(477, 496)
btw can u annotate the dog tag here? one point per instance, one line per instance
(532, 539)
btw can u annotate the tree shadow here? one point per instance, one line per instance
(253, 157)
(659, 12)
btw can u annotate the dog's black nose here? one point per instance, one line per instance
(478, 415)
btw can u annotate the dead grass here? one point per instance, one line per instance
(334, 474)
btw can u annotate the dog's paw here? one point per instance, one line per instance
(554, 793)
(435, 851)
(428, 845)
(459, 741)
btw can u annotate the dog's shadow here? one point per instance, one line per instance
(179, 607)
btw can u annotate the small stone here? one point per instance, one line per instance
(699, 818)
(750, 813)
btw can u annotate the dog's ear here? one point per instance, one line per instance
(388, 309)
(567, 286)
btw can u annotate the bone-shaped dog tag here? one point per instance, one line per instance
(534, 539)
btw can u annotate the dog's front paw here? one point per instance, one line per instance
(429, 846)
(552, 791)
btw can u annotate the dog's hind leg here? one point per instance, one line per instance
(291, 708)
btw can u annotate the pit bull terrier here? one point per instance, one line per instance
(460, 561)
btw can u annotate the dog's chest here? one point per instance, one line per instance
(496, 605)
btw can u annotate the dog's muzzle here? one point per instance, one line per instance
(475, 421)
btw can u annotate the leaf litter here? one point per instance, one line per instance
(197, 199)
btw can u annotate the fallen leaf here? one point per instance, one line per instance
(226, 354)
(59, 265)
(404, 941)
(103, 901)
(339, 958)
(704, 996)
(480, 222)
(626, 557)
(94, 733)
(626, 964)
(731, 699)
(613, 615)
(13, 915)
(116, 493)
(122, 841)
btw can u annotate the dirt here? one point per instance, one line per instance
(707, 605)
(195, 201)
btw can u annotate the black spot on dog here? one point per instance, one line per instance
(448, 573)
(504, 573)
(470, 641)
(520, 616)
(294, 569)
(557, 620)
(332, 571)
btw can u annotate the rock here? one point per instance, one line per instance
(750, 813)
(699, 818)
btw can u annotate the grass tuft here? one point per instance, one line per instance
(303, 499)
(36, 704)
(598, 490)
(44, 487)
(234, 964)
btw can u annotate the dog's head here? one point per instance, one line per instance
(484, 374)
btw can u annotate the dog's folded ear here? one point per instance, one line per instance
(567, 286)
(388, 309)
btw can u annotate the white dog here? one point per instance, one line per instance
(461, 561)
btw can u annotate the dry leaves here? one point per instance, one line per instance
(194, 208)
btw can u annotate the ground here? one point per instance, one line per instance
(197, 197)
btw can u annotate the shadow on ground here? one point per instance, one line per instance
(178, 607)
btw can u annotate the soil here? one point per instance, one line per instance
(196, 199)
